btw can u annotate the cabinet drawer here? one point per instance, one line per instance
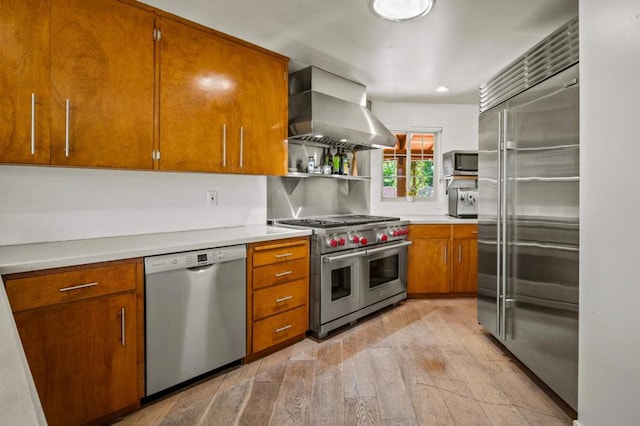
(271, 254)
(279, 298)
(279, 328)
(280, 273)
(28, 291)
(429, 231)
(465, 231)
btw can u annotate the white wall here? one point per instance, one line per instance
(459, 124)
(54, 204)
(609, 356)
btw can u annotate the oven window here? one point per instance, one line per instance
(340, 283)
(384, 270)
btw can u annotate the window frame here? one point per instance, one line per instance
(437, 165)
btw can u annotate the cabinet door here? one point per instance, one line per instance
(464, 276)
(103, 65)
(260, 127)
(429, 270)
(83, 365)
(25, 99)
(196, 97)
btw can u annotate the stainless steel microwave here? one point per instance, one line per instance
(456, 163)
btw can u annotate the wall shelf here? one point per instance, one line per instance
(320, 175)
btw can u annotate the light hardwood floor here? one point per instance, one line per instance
(424, 362)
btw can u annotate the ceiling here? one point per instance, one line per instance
(460, 44)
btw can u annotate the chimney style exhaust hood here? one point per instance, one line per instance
(325, 109)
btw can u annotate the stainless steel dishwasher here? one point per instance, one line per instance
(195, 314)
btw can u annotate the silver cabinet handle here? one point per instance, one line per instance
(66, 129)
(77, 287)
(241, 144)
(282, 274)
(445, 253)
(459, 253)
(33, 124)
(224, 145)
(284, 299)
(280, 256)
(281, 329)
(122, 325)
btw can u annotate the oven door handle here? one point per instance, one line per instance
(331, 259)
(389, 247)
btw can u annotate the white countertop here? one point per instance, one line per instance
(19, 403)
(437, 220)
(32, 257)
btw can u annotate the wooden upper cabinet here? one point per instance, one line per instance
(223, 105)
(103, 64)
(262, 106)
(25, 98)
(196, 100)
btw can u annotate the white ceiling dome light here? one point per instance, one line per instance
(400, 10)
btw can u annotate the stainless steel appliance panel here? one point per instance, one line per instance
(385, 273)
(339, 285)
(195, 314)
(529, 229)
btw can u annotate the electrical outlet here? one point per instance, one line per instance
(212, 198)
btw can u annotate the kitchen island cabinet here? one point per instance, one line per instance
(81, 329)
(443, 260)
(223, 104)
(79, 77)
(277, 295)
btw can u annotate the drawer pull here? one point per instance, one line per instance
(280, 256)
(285, 328)
(474, 232)
(284, 299)
(77, 287)
(282, 274)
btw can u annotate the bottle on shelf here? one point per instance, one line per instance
(311, 164)
(340, 163)
(345, 163)
(329, 159)
(336, 163)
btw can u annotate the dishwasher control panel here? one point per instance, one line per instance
(192, 259)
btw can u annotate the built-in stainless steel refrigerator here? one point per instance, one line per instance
(528, 183)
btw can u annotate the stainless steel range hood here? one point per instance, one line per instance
(325, 109)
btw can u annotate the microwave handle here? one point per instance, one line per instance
(390, 247)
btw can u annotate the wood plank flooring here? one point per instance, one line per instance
(424, 362)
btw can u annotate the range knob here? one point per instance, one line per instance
(382, 237)
(341, 241)
(355, 239)
(363, 241)
(395, 233)
(332, 242)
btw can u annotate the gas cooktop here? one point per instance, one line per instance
(325, 222)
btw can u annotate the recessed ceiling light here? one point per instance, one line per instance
(344, 140)
(442, 89)
(400, 10)
(318, 136)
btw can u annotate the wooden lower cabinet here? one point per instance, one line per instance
(443, 260)
(277, 294)
(85, 353)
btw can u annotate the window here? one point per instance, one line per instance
(408, 168)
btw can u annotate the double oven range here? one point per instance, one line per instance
(358, 266)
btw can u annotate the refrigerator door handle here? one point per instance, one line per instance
(504, 147)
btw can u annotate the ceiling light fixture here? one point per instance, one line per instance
(400, 10)
(442, 89)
